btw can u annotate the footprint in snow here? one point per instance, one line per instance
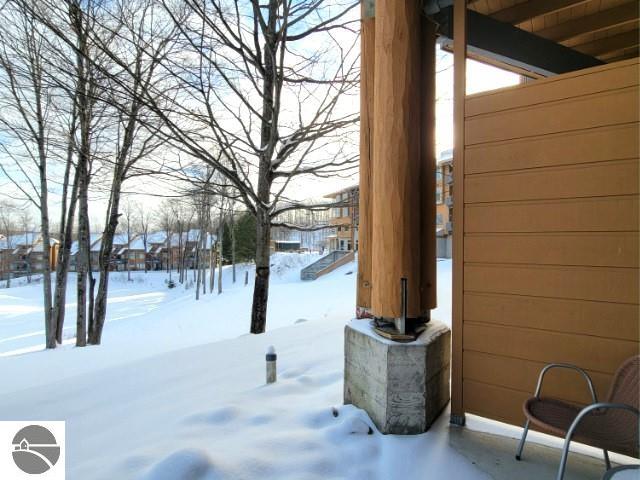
(257, 420)
(185, 465)
(219, 416)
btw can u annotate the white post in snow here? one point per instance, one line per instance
(271, 364)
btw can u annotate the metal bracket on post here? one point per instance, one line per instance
(401, 323)
(459, 420)
(369, 8)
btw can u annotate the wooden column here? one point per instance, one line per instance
(400, 187)
(428, 275)
(367, 59)
(459, 92)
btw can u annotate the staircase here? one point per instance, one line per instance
(326, 264)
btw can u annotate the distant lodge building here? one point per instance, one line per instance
(344, 220)
(444, 204)
(158, 251)
(23, 254)
(286, 246)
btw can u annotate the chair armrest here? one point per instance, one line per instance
(598, 406)
(583, 413)
(568, 366)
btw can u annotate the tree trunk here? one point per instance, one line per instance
(233, 248)
(199, 274)
(169, 256)
(261, 285)
(144, 242)
(50, 331)
(268, 138)
(49, 325)
(212, 264)
(83, 255)
(67, 214)
(128, 256)
(220, 256)
(95, 330)
(64, 256)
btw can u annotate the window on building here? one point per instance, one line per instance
(439, 220)
(438, 194)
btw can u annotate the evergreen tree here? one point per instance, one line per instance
(245, 231)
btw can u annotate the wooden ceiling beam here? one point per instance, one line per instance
(612, 17)
(609, 44)
(533, 8)
(617, 56)
(507, 44)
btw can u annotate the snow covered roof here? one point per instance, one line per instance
(121, 239)
(13, 241)
(192, 236)
(350, 188)
(37, 247)
(137, 243)
(95, 240)
(27, 242)
(445, 156)
(157, 237)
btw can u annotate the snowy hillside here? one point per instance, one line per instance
(204, 412)
(145, 317)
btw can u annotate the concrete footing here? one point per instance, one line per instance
(402, 386)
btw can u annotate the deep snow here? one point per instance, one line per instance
(204, 412)
(177, 390)
(145, 318)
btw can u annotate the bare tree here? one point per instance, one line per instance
(258, 91)
(129, 214)
(25, 120)
(142, 43)
(8, 230)
(272, 99)
(144, 218)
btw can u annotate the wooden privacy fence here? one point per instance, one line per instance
(550, 237)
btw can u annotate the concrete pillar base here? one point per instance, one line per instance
(402, 386)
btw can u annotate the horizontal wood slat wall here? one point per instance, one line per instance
(551, 244)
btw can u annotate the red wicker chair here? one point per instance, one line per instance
(610, 425)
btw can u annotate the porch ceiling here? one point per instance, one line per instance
(605, 29)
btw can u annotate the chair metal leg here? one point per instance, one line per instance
(606, 460)
(563, 460)
(522, 439)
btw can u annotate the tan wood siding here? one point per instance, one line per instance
(551, 246)
(605, 214)
(575, 181)
(590, 111)
(565, 148)
(521, 375)
(596, 249)
(560, 87)
(600, 319)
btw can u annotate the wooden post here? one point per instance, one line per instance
(428, 274)
(367, 64)
(398, 163)
(459, 91)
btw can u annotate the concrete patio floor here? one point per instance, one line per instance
(494, 454)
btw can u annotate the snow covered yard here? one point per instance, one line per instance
(203, 412)
(146, 318)
(177, 391)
